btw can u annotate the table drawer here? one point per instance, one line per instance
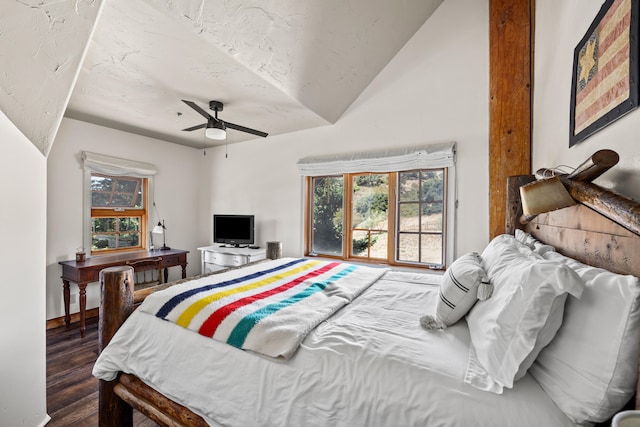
(171, 260)
(227, 260)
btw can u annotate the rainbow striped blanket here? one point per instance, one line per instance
(267, 308)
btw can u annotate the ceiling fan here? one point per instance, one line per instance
(215, 127)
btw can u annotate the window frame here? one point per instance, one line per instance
(445, 220)
(120, 212)
(117, 167)
(348, 218)
(441, 155)
(392, 218)
(309, 213)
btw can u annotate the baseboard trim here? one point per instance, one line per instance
(75, 317)
(46, 420)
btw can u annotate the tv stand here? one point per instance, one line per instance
(218, 257)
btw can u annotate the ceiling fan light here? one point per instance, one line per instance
(216, 131)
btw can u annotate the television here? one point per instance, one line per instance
(233, 230)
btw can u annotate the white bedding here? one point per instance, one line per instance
(370, 364)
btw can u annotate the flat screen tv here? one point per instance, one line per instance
(235, 230)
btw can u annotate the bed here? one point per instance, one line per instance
(368, 360)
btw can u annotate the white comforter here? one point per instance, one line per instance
(370, 364)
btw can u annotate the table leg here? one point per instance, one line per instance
(83, 307)
(166, 275)
(184, 270)
(66, 293)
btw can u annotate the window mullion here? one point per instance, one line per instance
(391, 217)
(346, 216)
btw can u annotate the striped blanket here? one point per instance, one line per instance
(268, 308)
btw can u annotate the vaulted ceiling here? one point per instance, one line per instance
(278, 66)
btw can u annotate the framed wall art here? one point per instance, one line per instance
(604, 84)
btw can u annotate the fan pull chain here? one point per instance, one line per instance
(204, 142)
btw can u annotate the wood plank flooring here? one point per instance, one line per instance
(72, 392)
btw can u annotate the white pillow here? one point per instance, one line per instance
(590, 368)
(524, 237)
(532, 242)
(459, 288)
(523, 315)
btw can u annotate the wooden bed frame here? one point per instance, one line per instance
(603, 231)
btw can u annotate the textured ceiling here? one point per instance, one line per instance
(277, 65)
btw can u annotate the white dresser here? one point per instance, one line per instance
(217, 257)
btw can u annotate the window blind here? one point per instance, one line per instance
(116, 166)
(390, 160)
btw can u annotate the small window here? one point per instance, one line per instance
(118, 213)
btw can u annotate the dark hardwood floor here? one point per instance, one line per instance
(72, 392)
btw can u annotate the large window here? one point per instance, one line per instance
(118, 212)
(394, 206)
(117, 202)
(395, 218)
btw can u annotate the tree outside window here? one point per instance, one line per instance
(326, 220)
(118, 213)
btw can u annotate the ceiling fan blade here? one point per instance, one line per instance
(198, 109)
(245, 129)
(196, 127)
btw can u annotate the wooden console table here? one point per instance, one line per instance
(88, 271)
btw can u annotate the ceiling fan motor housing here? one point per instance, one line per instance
(216, 105)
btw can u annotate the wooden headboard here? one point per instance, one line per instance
(593, 239)
(602, 230)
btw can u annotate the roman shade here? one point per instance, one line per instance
(390, 160)
(116, 166)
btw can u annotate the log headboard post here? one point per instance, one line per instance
(115, 306)
(514, 204)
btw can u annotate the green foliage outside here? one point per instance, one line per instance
(371, 206)
(327, 214)
(123, 192)
(110, 233)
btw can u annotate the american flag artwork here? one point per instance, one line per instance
(605, 70)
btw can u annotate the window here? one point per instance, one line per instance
(421, 216)
(118, 212)
(117, 200)
(393, 206)
(395, 218)
(327, 207)
(369, 216)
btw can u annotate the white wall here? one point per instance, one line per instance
(434, 90)
(175, 189)
(23, 230)
(559, 28)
